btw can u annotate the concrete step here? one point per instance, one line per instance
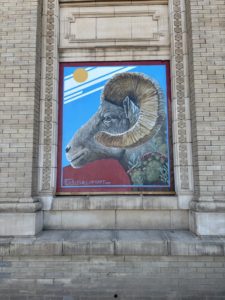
(113, 242)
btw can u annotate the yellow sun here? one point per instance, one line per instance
(80, 75)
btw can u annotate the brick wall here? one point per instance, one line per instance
(122, 277)
(19, 83)
(206, 27)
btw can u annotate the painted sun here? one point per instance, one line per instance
(80, 75)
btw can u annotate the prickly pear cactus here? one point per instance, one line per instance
(151, 169)
(137, 176)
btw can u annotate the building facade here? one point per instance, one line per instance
(69, 246)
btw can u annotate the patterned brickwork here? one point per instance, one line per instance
(19, 85)
(206, 28)
(121, 277)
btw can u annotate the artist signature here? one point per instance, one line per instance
(70, 182)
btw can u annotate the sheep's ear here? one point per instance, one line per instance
(126, 106)
(131, 110)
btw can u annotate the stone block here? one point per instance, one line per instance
(108, 28)
(89, 242)
(187, 244)
(179, 219)
(83, 30)
(180, 242)
(4, 246)
(45, 244)
(137, 242)
(140, 219)
(20, 224)
(102, 202)
(24, 206)
(184, 200)
(35, 248)
(160, 202)
(69, 203)
(88, 219)
(207, 223)
(52, 220)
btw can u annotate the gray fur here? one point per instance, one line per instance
(111, 118)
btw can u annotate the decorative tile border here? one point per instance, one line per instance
(48, 122)
(180, 99)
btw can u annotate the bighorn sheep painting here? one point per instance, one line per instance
(127, 135)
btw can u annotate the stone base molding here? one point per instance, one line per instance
(206, 206)
(21, 217)
(207, 217)
(20, 207)
(207, 223)
(20, 223)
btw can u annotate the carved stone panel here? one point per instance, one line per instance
(106, 26)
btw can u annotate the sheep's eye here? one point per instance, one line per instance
(107, 120)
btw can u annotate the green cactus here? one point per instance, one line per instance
(151, 168)
(137, 176)
(152, 172)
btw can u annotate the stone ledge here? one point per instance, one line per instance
(25, 207)
(117, 2)
(116, 220)
(207, 206)
(105, 202)
(20, 223)
(113, 243)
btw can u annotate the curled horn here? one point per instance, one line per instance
(147, 96)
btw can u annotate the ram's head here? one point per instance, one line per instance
(131, 112)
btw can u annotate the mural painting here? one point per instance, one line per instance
(114, 128)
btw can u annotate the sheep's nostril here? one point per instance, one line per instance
(68, 148)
